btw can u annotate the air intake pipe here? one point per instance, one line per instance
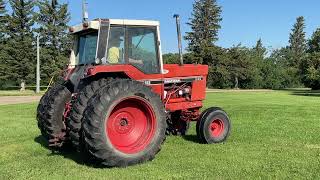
(85, 15)
(179, 38)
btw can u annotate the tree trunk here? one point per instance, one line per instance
(236, 86)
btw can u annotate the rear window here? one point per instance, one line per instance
(87, 47)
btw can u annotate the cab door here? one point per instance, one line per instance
(142, 48)
(143, 52)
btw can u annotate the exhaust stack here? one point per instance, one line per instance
(85, 15)
(179, 38)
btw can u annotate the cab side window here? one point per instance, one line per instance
(142, 49)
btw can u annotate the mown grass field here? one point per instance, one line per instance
(275, 135)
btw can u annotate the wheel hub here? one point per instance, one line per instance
(124, 122)
(216, 128)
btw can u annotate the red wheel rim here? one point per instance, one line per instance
(131, 125)
(216, 127)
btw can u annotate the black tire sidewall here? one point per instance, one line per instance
(108, 155)
(51, 110)
(207, 119)
(80, 102)
(60, 109)
(200, 121)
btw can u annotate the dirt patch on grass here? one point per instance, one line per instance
(6, 100)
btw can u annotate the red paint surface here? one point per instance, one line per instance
(216, 128)
(172, 71)
(131, 125)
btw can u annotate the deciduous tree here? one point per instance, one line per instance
(311, 66)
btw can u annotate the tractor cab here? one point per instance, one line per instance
(118, 42)
(131, 49)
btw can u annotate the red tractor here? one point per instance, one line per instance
(118, 101)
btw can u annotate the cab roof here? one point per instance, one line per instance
(95, 24)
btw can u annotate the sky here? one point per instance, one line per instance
(244, 21)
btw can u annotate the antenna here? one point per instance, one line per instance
(85, 14)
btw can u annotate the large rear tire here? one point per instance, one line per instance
(50, 115)
(79, 104)
(124, 125)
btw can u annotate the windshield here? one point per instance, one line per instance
(87, 47)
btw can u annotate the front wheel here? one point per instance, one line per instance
(213, 126)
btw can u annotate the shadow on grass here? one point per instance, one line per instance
(311, 93)
(191, 138)
(67, 151)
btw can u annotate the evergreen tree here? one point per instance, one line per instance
(314, 42)
(55, 43)
(297, 43)
(3, 54)
(2, 8)
(21, 54)
(259, 49)
(3, 20)
(205, 24)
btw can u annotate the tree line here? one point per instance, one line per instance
(296, 65)
(20, 27)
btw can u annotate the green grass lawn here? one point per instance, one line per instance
(275, 135)
(19, 93)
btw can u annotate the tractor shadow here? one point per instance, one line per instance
(67, 152)
(191, 138)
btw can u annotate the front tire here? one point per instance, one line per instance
(213, 126)
(124, 125)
